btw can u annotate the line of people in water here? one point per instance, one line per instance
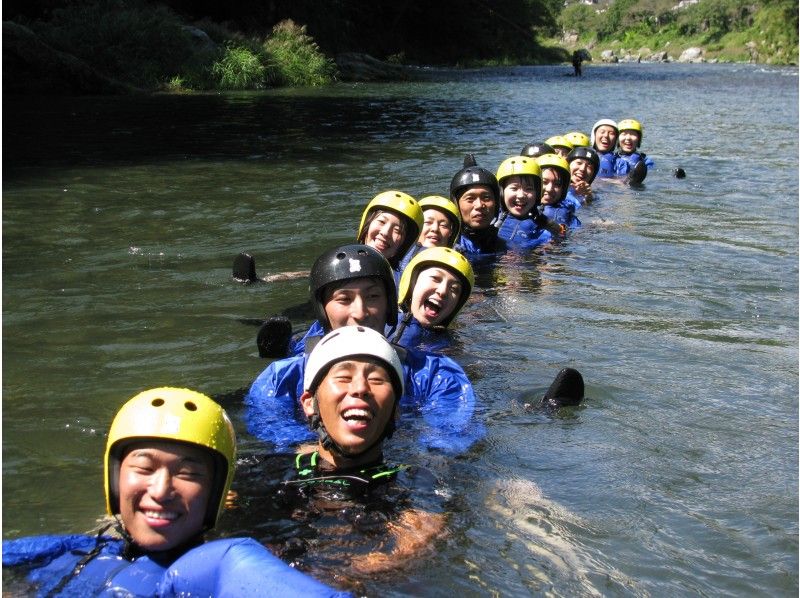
(369, 365)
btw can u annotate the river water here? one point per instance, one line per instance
(678, 302)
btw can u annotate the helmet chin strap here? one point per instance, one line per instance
(328, 443)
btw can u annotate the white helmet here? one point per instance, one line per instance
(352, 342)
(600, 123)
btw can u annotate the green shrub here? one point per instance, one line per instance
(293, 58)
(239, 68)
(126, 39)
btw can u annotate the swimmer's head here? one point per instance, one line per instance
(391, 223)
(359, 266)
(534, 150)
(630, 135)
(353, 381)
(584, 162)
(560, 144)
(520, 181)
(169, 463)
(435, 285)
(441, 222)
(555, 178)
(604, 135)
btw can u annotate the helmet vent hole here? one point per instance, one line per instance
(157, 402)
(190, 406)
(340, 255)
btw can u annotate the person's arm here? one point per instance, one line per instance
(234, 567)
(273, 411)
(413, 533)
(42, 549)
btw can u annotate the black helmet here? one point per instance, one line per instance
(534, 150)
(347, 263)
(587, 153)
(472, 176)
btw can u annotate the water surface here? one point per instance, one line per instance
(678, 302)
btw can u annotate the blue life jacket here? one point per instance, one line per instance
(573, 199)
(222, 568)
(563, 213)
(521, 233)
(625, 162)
(438, 404)
(410, 334)
(480, 242)
(607, 160)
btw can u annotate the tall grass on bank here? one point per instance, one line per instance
(294, 59)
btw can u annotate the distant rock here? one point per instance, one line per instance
(608, 56)
(200, 39)
(363, 67)
(691, 55)
(659, 57)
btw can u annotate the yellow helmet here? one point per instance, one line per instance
(557, 141)
(518, 166)
(442, 257)
(177, 414)
(561, 166)
(578, 139)
(402, 204)
(629, 124)
(448, 208)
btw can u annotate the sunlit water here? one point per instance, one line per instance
(678, 303)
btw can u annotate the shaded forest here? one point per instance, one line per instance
(445, 32)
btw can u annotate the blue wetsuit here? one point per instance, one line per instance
(521, 233)
(625, 162)
(439, 403)
(563, 213)
(410, 334)
(607, 163)
(228, 567)
(573, 199)
(480, 242)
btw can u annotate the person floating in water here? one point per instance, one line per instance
(352, 512)
(169, 462)
(354, 285)
(433, 288)
(628, 156)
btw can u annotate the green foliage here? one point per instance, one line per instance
(580, 18)
(742, 30)
(239, 68)
(129, 40)
(294, 59)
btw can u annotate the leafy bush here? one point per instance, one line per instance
(239, 68)
(126, 39)
(293, 58)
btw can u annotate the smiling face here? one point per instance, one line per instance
(355, 401)
(164, 489)
(581, 169)
(551, 186)
(628, 141)
(385, 233)
(436, 229)
(358, 301)
(520, 195)
(436, 294)
(477, 207)
(605, 138)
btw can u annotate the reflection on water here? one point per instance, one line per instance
(678, 303)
